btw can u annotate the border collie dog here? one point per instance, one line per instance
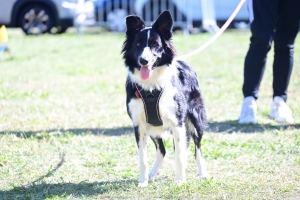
(163, 96)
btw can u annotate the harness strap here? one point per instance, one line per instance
(151, 102)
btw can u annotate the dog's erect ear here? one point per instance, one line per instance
(164, 24)
(134, 24)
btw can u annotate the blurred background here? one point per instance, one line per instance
(56, 16)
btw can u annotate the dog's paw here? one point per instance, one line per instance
(204, 176)
(152, 176)
(179, 182)
(143, 184)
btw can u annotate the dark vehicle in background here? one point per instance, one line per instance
(38, 16)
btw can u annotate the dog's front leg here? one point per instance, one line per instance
(160, 154)
(180, 143)
(141, 140)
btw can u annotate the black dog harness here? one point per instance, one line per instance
(151, 101)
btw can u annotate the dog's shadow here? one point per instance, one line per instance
(38, 134)
(234, 127)
(39, 189)
(44, 190)
(213, 127)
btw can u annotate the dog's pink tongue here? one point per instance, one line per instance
(145, 73)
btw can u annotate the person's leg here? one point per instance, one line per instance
(263, 13)
(262, 18)
(287, 27)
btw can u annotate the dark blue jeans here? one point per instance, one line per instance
(274, 21)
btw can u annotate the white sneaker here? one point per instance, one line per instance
(248, 114)
(280, 111)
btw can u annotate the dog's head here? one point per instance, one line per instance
(147, 48)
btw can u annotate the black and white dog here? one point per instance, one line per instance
(163, 96)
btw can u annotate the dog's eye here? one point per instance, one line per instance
(138, 44)
(154, 44)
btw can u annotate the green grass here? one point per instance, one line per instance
(65, 133)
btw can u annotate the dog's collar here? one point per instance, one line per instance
(151, 102)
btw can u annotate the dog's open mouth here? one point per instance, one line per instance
(146, 72)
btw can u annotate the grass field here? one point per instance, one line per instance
(65, 133)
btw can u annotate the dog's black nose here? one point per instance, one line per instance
(143, 61)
